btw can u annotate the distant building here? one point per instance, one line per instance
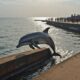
(50, 19)
(72, 18)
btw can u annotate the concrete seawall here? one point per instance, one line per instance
(66, 26)
(14, 64)
(67, 70)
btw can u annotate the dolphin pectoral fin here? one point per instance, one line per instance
(36, 46)
(56, 54)
(31, 46)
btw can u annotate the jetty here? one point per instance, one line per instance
(71, 23)
(66, 70)
(14, 64)
(65, 25)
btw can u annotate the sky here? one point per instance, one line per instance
(39, 8)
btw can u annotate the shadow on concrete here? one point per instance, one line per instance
(28, 74)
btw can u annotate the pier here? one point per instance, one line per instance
(65, 26)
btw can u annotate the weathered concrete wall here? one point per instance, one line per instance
(67, 70)
(14, 64)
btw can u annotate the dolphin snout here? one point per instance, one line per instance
(17, 46)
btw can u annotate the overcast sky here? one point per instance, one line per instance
(24, 8)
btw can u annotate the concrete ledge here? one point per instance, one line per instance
(67, 70)
(12, 65)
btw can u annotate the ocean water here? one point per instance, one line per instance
(67, 43)
(11, 29)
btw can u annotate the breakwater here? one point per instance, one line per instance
(66, 26)
(12, 65)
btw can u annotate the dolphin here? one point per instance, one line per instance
(33, 39)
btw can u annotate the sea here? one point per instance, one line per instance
(12, 29)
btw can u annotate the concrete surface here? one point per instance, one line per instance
(67, 70)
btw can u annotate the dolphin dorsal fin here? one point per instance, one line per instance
(46, 30)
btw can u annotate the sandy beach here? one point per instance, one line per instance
(67, 70)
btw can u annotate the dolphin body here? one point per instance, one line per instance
(36, 38)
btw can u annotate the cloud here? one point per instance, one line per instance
(12, 2)
(7, 1)
(35, 2)
(38, 7)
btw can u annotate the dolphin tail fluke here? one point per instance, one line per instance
(46, 30)
(56, 54)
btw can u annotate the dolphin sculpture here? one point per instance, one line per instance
(36, 38)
